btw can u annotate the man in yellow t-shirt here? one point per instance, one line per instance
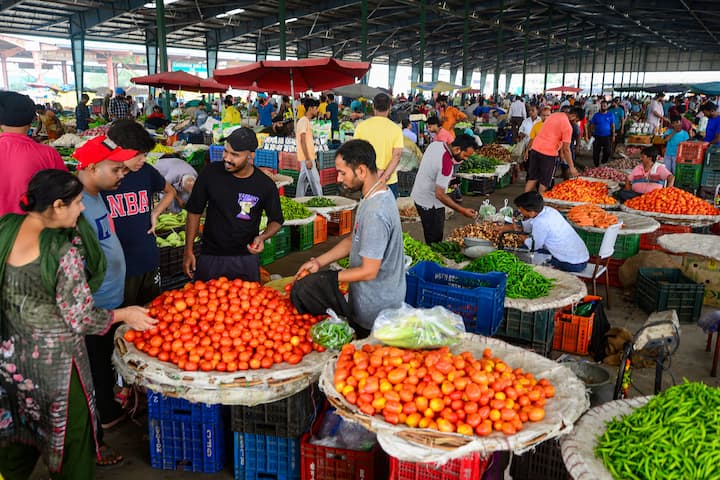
(322, 108)
(386, 137)
(231, 115)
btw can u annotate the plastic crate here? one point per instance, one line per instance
(331, 189)
(320, 229)
(288, 161)
(267, 256)
(543, 463)
(535, 328)
(171, 259)
(326, 159)
(328, 176)
(648, 241)
(198, 159)
(471, 467)
(216, 153)
(712, 158)
(478, 298)
(502, 182)
(688, 175)
(691, 153)
(186, 436)
(710, 178)
(287, 418)
(340, 223)
(660, 289)
(266, 159)
(302, 236)
(406, 180)
(613, 272)
(625, 246)
(573, 332)
(327, 463)
(281, 241)
(261, 457)
(488, 136)
(477, 186)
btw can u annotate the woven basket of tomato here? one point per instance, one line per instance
(481, 395)
(675, 206)
(577, 192)
(222, 341)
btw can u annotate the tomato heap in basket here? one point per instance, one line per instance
(437, 390)
(225, 326)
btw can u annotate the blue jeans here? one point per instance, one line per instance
(394, 189)
(670, 162)
(567, 267)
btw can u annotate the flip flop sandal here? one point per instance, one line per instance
(108, 458)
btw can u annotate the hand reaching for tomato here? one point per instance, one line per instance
(136, 317)
(257, 246)
(311, 266)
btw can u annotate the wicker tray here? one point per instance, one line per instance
(249, 388)
(674, 219)
(613, 186)
(694, 243)
(300, 221)
(578, 448)
(632, 224)
(567, 290)
(500, 171)
(424, 445)
(341, 203)
(406, 202)
(564, 205)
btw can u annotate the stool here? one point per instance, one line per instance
(716, 355)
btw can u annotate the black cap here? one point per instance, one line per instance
(16, 110)
(242, 139)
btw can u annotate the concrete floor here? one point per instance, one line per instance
(690, 361)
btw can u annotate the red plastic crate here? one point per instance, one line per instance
(691, 152)
(471, 467)
(573, 332)
(320, 231)
(328, 176)
(648, 241)
(288, 161)
(318, 462)
(613, 272)
(340, 223)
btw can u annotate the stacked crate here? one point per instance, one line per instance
(689, 165)
(711, 171)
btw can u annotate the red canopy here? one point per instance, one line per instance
(564, 89)
(288, 76)
(180, 81)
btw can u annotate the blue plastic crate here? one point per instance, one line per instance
(216, 153)
(266, 159)
(260, 457)
(478, 297)
(189, 437)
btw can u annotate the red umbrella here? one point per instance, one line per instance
(180, 81)
(564, 89)
(286, 76)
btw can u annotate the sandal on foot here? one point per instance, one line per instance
(107, 457)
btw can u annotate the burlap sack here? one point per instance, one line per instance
(645, 259)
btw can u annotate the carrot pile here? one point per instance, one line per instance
(589, 215)
(579, 190)
(673, 201)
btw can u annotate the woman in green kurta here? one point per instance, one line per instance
(50, 263)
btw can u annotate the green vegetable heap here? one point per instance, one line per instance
(478, 164)
(450, 250)
(522, 282)
(293, 210)
(419, 251)
(331, 333)
(675, 435)
(320, 202)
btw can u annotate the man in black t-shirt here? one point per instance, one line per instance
(233, 195)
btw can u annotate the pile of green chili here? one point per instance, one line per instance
(676, 435)
(522, 282)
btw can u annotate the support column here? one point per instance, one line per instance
(162, 51)
(547, 48)
(525, 49)
(607, 39)
(261, 50)
(592, 70)
(453, 74)
(363, 36)
(508, 78)
(483, 80)
(632, 60)
(622, 73)
(212, 59)
(110, 68)
(282, 13)
(615, 55)
(413, 74)
(645, 65)
(6, 81)
(498, 55)
(466, 79)
(435, 68)
(421, 53)
(565, 51)
(580, 64)
(392, 70)
(78, 57)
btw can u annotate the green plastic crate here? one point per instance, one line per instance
(688, 175)
(331, 189)
(302, 236)
(625, 246)
(477, 186)
(502, 182)
(660, 289)
(267, 256)
(488, 136)
(534, 329)
(198, 159)
(710, 178)
(281, 242)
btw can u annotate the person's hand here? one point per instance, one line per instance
(309, 164)
(574, 172)
(311, 266)
(189, 264)
(257, 246)
(136, 317)
(153, 222)
(468, 212)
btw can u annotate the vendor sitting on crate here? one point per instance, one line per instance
(647, 176)
(545, 229)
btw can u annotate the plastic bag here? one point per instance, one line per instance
(333, 332)
(409, 327)
(486, 209)
(507, 210)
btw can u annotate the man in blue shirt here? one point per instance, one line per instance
(712, 131)
(618, 112)
(82, 114)
(332, 110)
(672, 139)
(602, 127)
(265, 110)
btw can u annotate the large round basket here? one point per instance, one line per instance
(341, 203)
(425, 445)
(564, 205)
(613, 185)
(567, 290)
(675, 219)
(578, 448)
(249, 388)
(632, 224)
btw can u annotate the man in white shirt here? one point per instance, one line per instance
(526, 128)
(655, 111)
(517, 115)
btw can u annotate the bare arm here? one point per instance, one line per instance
(341, 250)
(168, 196)
(441, 195)
(191, 230)
(303, 145)
(258, 244)
(368, 270)
(566, 155)
(394, 162)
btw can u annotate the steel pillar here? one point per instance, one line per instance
(78, 58)
(547, 48)
(392, 70)
(162, 51)
(592, 70)
(622, 73)
(565, 50)
(421, 53)
(498, 56)
(465, 51)
(282, 14)
(525, 48)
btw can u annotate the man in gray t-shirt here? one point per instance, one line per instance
(376, 274)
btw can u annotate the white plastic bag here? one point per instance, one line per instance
(507, 210)
(486, 210)
(409, 327)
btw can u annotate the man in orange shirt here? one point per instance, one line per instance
(450, 118)
(554, 137)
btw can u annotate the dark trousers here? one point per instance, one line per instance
(515, 123)
(604, 144)
(433, 223)
(100, 349)
(142, 289)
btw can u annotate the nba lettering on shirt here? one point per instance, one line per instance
(128, 204)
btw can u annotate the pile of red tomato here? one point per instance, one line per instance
(227, 326)
(438, 390)
(672, 200)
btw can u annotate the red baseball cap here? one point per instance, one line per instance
(101, 148)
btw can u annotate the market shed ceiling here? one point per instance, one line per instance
(333, 27)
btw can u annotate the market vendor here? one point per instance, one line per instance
(181, 175)
(647, 176)
(545, 229)
(375, 246)
(156, 119)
